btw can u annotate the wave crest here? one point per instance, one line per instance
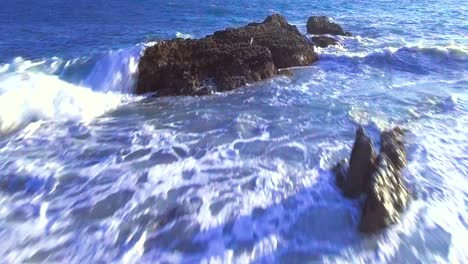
(451, 52)
(58, 89)
(28, 97)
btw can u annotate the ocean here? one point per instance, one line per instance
(90, 173)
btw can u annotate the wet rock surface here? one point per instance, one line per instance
(223, 61)
(393, 147)
(361, 165)
(319, 25)
(380, 179)
(387, 198)
(324, 41)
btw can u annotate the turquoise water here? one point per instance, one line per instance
(90, 173)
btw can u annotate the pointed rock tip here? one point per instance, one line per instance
(275, 18)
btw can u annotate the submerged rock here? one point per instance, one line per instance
(223, 61)
(387, 198)
(319, 25)
(324, 41)
(380, 179)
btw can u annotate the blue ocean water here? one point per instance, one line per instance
(91, 173)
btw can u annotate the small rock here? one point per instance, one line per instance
(324, 41)
(319, 25)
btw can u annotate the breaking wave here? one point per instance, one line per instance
(57, 89)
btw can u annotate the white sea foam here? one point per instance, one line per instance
(32, 90)
(183, 35)
(150, 44)
(454, 52)
(27, 97)
(4, 67)
(115, 71)
(262, 209)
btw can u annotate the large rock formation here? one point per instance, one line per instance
(319, 25)
(223, 61)
(379, 178)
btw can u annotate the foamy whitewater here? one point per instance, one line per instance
(91, 173)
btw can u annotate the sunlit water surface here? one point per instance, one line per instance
(90, 173)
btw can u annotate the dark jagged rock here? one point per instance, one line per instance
(319, 25)
(387, 198)
(381, 179)
(361, 165)
(393, 147)
(223, 61)
(195, 67)
(324, 41)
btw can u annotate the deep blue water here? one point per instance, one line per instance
(65, 28)
(89, 172)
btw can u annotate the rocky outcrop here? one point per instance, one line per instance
(361, 165)
(319, 25)
(223, 61)
(380, 179)
(387, 198)
(324, 41)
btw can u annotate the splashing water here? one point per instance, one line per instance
(90, 173)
